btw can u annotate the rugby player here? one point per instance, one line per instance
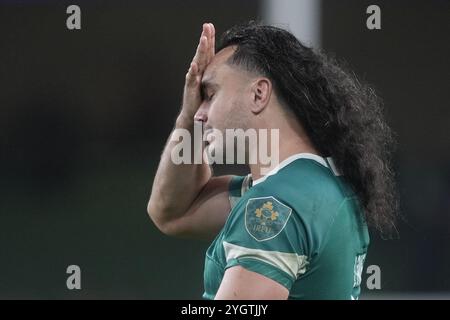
(299, 231)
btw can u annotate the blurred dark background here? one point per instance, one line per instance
(84, 116)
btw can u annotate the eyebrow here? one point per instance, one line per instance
(208, 83)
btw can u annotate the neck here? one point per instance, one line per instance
(292, 140)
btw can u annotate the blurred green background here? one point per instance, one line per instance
(85, 114)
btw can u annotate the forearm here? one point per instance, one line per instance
(176, 186)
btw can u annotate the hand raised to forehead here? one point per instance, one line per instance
(203, 56)
(205, 50)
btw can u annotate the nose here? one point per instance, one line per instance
(202, 113)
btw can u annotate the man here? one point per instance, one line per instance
(299, 231)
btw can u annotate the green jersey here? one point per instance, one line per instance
(300, 225)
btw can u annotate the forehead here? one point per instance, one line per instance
(218, 65)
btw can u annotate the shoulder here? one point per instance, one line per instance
(305, 185)
(312, 192)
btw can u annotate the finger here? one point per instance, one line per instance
(212, 41)
(201, 56)
(192, 74)
(209, 34)
(197, 52)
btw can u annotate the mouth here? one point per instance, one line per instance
(207, 127)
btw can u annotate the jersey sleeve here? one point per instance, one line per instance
(267, 237)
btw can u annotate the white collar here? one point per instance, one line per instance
(292, 158)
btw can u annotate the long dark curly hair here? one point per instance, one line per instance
(342, 116)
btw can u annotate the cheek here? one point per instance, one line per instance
(228, 113)
(216, 114)
(219, 109)
(237, 115)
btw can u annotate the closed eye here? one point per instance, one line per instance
(207, 96)
(208, 89)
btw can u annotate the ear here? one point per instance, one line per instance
(260, 90)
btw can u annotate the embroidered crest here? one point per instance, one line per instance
(265, 217)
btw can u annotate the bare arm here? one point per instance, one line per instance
(185, 199)
(239, 283)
